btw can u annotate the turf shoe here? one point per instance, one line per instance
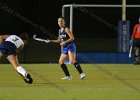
(82, 76)
(136, 63)
(67, 78)
(28, 79)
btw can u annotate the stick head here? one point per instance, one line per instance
(34, 36)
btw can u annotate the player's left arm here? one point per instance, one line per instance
(69, 33)
(2, 38)
(134, 31)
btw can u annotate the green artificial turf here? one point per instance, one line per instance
(103, 82)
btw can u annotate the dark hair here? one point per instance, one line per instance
(62, 18)
(24, 36)
(66, 24)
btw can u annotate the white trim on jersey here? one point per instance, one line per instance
(15, 40)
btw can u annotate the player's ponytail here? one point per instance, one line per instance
(24, 36)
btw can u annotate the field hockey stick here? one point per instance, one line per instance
(130, 51)
(41, 40)
(131, 48)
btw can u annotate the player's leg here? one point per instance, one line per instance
(14, 61)
(62, 59)
(136, 55)
(136, 51)
(76, 64)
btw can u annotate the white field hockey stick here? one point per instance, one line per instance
(130, 51)
(41, 40)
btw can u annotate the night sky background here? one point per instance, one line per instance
(40, 16)
(41, 12)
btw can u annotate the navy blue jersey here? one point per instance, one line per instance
(10, 45)
(7, 48)
(69, 46)
(63, 35)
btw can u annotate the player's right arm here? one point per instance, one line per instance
(56, 41)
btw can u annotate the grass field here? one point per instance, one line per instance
(103, 82)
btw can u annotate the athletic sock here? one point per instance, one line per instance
(21, 70)
(65, 70)
(78, 67)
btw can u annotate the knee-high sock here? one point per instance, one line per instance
(78, 67)
(21, 70)
(65, 70)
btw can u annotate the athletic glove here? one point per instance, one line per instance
(131, 42)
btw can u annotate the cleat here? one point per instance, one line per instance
(82, 76)
(28, 79)
(136, 63)
(67, 78)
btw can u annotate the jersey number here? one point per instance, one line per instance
(15, 39)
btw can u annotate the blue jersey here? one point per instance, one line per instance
(68, 47)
